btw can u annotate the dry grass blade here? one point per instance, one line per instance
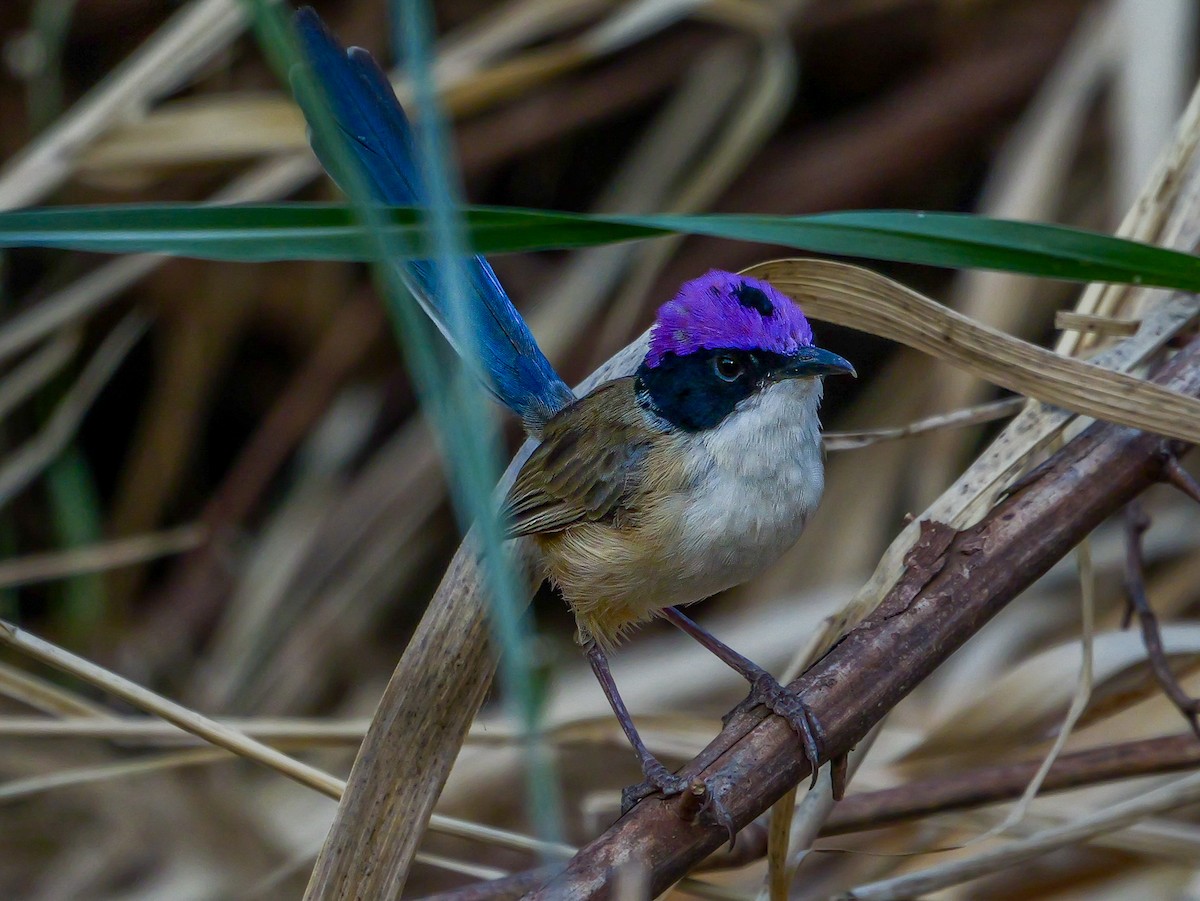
(1172, 796)
(475, 871)
(779, 839)
(807, 822)
(296, 732)
(188, 720)
(224, 736)
(45, 696)
(859, 298)
(19, 789)
(200, 130)
(197, 32)
(99, 557)
(236, 127)
(41, 366)
(26, 462)
(1083, 689)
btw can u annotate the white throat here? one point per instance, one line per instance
(755, 479)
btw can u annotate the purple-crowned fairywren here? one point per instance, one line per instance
(651, 491)
(690, 477)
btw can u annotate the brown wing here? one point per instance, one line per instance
(588, 467)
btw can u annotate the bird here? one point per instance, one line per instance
(652, 491)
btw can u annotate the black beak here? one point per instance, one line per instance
(813, 361)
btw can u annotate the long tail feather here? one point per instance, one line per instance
(361, 101)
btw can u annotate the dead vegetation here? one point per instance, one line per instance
(215, 484)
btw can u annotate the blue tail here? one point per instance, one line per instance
(362, 103)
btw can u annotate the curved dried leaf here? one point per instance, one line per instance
(861, 299)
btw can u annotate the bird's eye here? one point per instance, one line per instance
(728, 367)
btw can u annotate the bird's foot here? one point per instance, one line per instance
(695, 797)
(659, 780)
(767, 691)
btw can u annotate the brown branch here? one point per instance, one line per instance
(988, 784)
(510, 887)
(954, 583)
(964, 790)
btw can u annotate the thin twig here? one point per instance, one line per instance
(1136, 524)
(1100, 326)
(1080, 697)
(1178, 477)
(981, 413)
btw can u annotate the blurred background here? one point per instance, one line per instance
(215, 480)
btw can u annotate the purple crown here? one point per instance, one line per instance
(723, 310)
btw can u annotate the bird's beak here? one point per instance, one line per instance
(813, 361)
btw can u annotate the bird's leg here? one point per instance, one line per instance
(765, 690)
(658, 777)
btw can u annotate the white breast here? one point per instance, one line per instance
(753, 482)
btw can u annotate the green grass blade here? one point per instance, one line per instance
(322, 231)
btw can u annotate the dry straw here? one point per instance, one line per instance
(112, 134)
(399, 788)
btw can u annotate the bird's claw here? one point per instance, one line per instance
(767, 691)
(694, 796)
(659, 780)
